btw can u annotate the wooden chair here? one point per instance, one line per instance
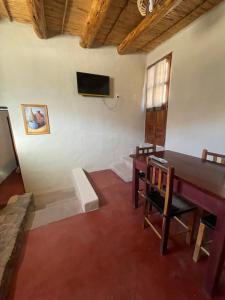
(209, 220)
(218, 158)
(147, 151)
(159, 194)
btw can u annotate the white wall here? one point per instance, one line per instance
(196, 117)
(7, 157)
(84, 132)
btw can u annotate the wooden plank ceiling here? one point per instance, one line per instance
(106, 22)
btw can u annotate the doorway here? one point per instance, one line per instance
(11, 182)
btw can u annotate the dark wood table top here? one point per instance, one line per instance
(205, 175)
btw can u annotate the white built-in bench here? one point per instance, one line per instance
(84, 191)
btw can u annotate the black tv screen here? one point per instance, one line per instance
(92, 85)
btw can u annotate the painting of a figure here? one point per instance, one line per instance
(35, 119)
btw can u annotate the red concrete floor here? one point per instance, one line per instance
(12, 185)
(104, 255)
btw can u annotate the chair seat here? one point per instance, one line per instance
(209, 221)
(179, 204)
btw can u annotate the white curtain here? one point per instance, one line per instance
(157, 84)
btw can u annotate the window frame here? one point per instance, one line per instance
(164, 106)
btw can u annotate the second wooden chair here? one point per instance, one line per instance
(216, 157)
(144, 151)
(208, 221)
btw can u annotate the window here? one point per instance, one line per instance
(158, 80)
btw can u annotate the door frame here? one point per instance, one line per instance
(4, 108)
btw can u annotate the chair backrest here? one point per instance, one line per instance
(145, 150)
(218, 158)
(160, 179)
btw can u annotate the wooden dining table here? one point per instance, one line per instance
(203, 183)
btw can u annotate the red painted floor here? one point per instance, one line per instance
(12, 185)
(104, 255)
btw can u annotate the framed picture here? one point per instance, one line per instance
(35, 119)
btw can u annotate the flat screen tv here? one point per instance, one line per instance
(93, 85)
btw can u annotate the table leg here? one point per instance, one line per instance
(217, 255)
(135, 185)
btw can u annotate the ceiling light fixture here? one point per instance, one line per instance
(146, 7)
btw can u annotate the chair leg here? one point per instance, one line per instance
(191, 228)
(198, 245)
(165, 235)
(146, 209)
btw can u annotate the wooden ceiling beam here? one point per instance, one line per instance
(64, 16)
(159, 12)
(95, 19)
(37, 12)
(188, 19)
(6, 6)
(116, 20)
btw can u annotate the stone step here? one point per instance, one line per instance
(123, 171)
(62, 202)
(54, 212)
(45, 199)
(13, 220)
(128, 160)
(124, 167)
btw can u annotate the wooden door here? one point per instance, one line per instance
(155, 126)
(157, 96)
(150, 127)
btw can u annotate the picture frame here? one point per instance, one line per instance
(35, 118)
